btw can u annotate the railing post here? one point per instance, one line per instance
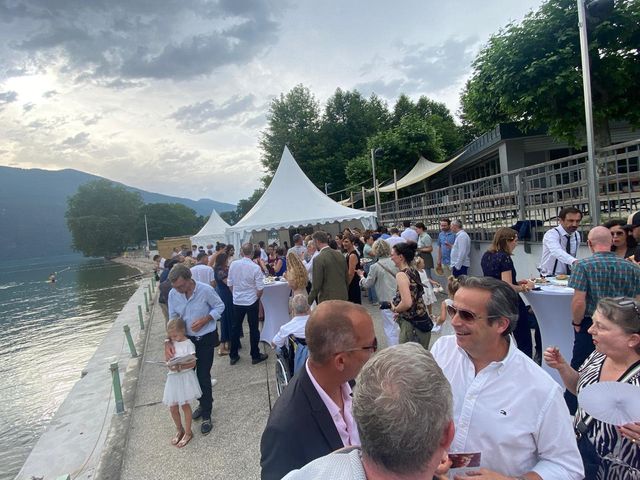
(117, 390)
(140, 317)
(153, 283)
(520, 196)
(146, 302)
(132, 347)
(149, 290)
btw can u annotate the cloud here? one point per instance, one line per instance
(119, 40)
(50, 94)
(77, 141)
(27, 107)
(7, 97)
(389, 89)
(203, 116)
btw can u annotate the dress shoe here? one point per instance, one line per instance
(206, 427)
(233, 360)
(197, 413)
(261, 358)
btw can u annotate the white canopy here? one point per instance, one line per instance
(421, 170)
(212, 232)
(291, 201)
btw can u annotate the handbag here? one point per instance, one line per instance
(591, 459)
(418, 315)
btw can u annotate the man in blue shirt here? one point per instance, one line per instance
(200, 307)
(446, 239)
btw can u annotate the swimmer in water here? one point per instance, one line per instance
(52, 278)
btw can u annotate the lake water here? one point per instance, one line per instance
(49, 331)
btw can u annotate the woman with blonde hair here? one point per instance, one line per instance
(296, 274)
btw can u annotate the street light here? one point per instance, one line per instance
(375, 152)
(598, 8)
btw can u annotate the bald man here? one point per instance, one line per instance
(312, 417)
(602, 275)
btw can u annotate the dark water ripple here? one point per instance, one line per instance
(50, 331)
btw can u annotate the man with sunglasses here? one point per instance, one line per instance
(312, 417)
(505, 407)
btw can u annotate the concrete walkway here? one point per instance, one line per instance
(240, 412)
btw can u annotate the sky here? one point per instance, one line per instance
(170, 96)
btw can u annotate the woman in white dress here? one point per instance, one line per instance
(182, 383)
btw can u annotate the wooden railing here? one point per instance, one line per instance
(533, 193)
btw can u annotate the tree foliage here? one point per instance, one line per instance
(530, 73)
(168, 220)
(103, 218)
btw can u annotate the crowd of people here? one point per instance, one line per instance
(475, 393)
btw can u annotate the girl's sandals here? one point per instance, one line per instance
(175, 440)
(185, 439)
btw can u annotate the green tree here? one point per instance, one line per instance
(530, 73)
(401, 147)
(349, 120)
(168, 220)
(103, 218)
(294, 120)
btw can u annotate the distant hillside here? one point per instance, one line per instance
(33, 203)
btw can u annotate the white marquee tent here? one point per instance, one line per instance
(212, 232)
(291, 201)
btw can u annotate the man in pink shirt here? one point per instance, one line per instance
(313, 415)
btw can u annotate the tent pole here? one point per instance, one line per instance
(395, 188)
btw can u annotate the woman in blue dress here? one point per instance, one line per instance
(497, 263)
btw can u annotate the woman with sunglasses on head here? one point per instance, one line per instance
(496, 262)
(623, 243)
(353, 265)
(616, 335)
(412, 315)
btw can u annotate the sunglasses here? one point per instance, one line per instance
(621, 302)
(373, 347)
(618, 234)
(465, 315)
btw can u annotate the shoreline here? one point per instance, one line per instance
(143, 265)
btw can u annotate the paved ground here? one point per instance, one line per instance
(240, 412)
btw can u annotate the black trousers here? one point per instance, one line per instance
(251, 312)
(204, 354)
(582, 348)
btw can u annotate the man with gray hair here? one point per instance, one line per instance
(313, 415)
(200, 307)
(505, 407)
(295, 327)
(246, 282)
(395, 444)
(461, 250)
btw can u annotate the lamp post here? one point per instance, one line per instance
(592, 167)
(375, 152)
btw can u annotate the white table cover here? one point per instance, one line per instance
(552, 306)
(275, 301)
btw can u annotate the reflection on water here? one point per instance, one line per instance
(49, 333)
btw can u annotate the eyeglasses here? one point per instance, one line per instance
(373, 347)
(465, 315)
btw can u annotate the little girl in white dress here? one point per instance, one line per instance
(182, 383)
(445, 321)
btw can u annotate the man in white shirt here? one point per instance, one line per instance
(246, 282)
(201, 272)
(560, 244)
(395, 237)
(409, 234)
(313, 415)
(295, 327)
(298, 245)
(461, 250)
(263, 254)
(312, 252)
(505, 407)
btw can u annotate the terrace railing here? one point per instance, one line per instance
(533, 194)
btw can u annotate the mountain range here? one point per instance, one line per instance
(33, 203)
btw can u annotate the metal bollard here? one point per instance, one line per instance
(117, 390)
(140, 317)
(146, 302)
(153, 283)
(149, 290)
(132, 347)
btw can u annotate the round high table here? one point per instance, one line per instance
(275, 301)
(552, 306)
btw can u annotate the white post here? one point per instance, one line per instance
(146, 229)
(364, 199)
(375, 182)
(592, 168)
